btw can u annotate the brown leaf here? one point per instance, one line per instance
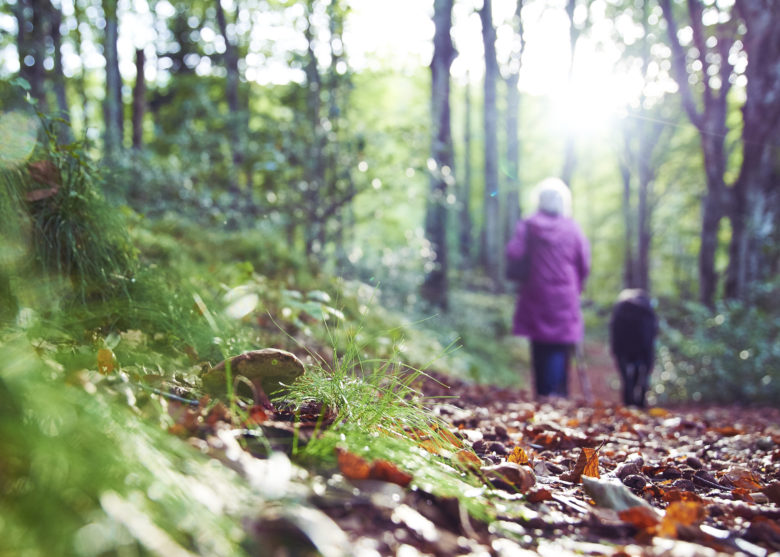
(257, 415)
(773, 492)
(538, 495)
(518, 456)
(587, 465)
(467, 459)
(680, 495)
(743, 478)
(680, 514)
(105, 361)
(352, 466)
(388, 472)
(640, 517)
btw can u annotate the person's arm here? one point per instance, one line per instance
(515, 248)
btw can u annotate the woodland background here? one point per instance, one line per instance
(182, 181)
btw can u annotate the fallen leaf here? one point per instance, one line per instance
(352, 466)
(105, 361)
(656, 412)
(467, 459)
(773, 492)
(680, 514)
(680, 495)
(641, 517)
(388, 472)
(743, 478)
(518, 456)
(538, 495)
(587, 465)
(257, 415)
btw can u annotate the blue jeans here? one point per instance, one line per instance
(551, 368)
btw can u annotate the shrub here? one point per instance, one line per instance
(730, 354)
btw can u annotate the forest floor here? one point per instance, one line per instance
(694, 480)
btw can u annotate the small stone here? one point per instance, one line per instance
(634, 481)
(627, 469)
(765, 444)
(510, 476)
(694, 462)
(671, 473)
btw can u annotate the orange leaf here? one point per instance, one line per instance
(352, 466)
(591, 457)
(587, 465)
(518, 456)
(468, 459)
(388, 472)
(640, 517)
(538, 495)
(680, 495)
(257, 415)
(680, 513)
(658, 412)
(448, 436)
(744, 479)
(105, 361)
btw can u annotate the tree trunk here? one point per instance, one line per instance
(112, 105)
(435, 288)
(139, 100)
(629, 263)
(464, 207)
(231, 94)
(58, 78)
(491, 248)
(513, 127)
(569, 147)
(31, 46)
(754, 214)
(711, 123)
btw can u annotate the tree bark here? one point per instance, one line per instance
(112, 105)
(491, 249)
(513, 127)
(756, 193)
(711, 123)
(435, 287)
(464, 207)
(231, 94)
(58, 78)
(139, 100)
(31, 46)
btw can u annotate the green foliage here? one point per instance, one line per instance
(729, 355)
(85, 473)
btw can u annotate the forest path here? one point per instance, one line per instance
(600, 370)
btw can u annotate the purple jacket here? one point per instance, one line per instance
(548, 306)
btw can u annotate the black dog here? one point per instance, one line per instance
(632, 331)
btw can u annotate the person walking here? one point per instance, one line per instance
(556, 256)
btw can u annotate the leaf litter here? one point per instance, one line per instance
(560, 477)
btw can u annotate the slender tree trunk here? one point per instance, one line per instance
(315, 163)
(58, 78)
(435, 288)
(756, 201)
(31, 46)
(569, 152)
(231, 94)
(711, 123)
(629, 263)
(112, 105)
(513, 127)
(139, 100)
(492, 225)
(81, 80)
(464, 207)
